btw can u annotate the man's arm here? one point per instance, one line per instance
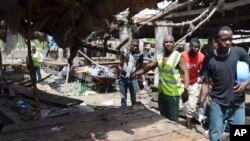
(145, 69)
(140, 62)
(40, 57)
(246, 58)
(203, 92)
(183, 68)
(121, 63)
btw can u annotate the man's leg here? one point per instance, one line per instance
(162, 105)
(191, 104)
(173, 108)
(132, 91)
(238, 115)
(216, 122)
(169, 106)
(38, 71)
(123, 92)
(35, 71)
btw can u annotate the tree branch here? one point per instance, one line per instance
(201, 23)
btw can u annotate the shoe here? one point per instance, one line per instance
(189, 123)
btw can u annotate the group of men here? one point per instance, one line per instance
(178, 79)
(178, 76)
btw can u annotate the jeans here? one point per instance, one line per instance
(169, 106)
(218, 114)
(124, 85)
(38, 73)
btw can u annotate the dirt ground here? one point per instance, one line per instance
(145, 97)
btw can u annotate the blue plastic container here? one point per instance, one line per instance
(242, 71)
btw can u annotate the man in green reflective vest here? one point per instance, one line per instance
(171, 65)
(37, 59)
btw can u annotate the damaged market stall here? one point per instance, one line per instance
(97, 77)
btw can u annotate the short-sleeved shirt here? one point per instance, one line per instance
(131, 63)
(222, 71)
(194, 64)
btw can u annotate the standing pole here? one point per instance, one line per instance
(1, 73)
(30, 65)
(66, 82)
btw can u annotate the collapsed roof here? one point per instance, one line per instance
(66, 20)
(62, 18)
(201, 17)
(71, 21)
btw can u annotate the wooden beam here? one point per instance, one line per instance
(46, 97)
(91, 47)
(226, 7)
(229, 20)
(174, 6)
(8, 116)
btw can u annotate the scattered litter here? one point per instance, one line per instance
(89, 93)
(21, 104)
(108, 103)
(56, 129)
(81, 109)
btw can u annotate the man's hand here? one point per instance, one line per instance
(201, 116)
(185, 95)
(240, 87)
(132, 76)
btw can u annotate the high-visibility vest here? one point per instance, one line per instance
(36, 59)
(169, 77)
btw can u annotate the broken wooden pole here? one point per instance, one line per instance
(88, 58)
(40, 80)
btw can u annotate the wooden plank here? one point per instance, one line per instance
(108, 63)
(92, 116)
(12, 76)
(46, 97)
(7, 115)
(55, 63)
(86, 121)
(104, 58)
(122, 124)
